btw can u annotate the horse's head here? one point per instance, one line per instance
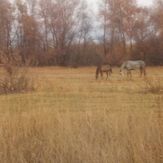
(121, 72)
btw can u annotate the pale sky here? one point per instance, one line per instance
(140, 2)
(145, 2)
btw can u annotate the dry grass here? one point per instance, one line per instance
(72, 118)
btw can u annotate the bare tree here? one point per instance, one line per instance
(141, 32)
(118, 16)
(26, 31)
(63, 22)
(6, 21)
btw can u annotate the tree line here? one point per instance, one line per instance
(71, 33)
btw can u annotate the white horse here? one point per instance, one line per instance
(133, 65)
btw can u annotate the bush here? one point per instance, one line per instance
(15, 80)
(155, 87)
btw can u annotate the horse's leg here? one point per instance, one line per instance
(110, 72)
(144, 71)
(130, 74)
(106, 75)
(101, 74)
(127, 73)
(141, 70)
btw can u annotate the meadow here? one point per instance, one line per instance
(73, 118)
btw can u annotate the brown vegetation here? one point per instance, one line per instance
(46, 33)
(15, 80)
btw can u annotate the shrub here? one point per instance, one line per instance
(15, 80)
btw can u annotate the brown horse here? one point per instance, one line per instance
(103, 68)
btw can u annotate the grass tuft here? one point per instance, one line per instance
(154, 86)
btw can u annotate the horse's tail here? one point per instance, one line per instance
(97, 72)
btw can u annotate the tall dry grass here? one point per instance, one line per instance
(72, 118)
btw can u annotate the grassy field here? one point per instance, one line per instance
(73, 118)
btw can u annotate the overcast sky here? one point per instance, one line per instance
(140, 2)
(145, 2)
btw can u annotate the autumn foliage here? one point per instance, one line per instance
(71, 33)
